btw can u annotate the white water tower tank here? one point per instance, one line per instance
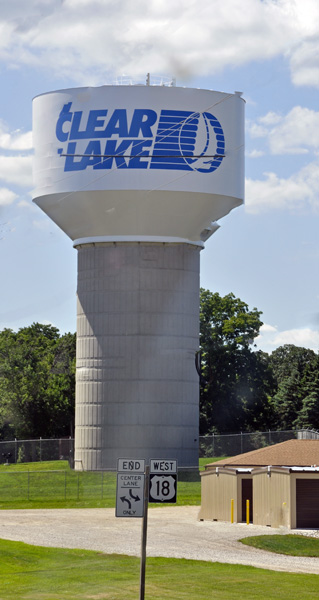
(137, 176)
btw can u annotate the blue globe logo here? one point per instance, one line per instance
(202, 142)
(188, 141)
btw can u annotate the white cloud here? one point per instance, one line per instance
(271, 118)
(257, 131)
(255, 153)
(270, 338)
(6, 35)
(43, 225)
(297, 132)
(91, 40)
(304, 63)
(307, 338)
(15, 140)
(303, 55)
(16, 170)
(266, 328)
(7, 197)
(23, 203)
(300, 192)
(306, 13)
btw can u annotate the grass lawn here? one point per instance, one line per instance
(54, 485)
(36, 573)
(294, 545)
(52, 465)
(206, 461)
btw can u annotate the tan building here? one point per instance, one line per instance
(281, 483)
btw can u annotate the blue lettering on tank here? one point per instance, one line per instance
(142, 122)
(140, 140)
(65, 116)
(73, 163)
(96, 121)
(136, 160)
(113, 152)
(117, 124)
(77, 128)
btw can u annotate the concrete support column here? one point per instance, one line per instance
(137, 389)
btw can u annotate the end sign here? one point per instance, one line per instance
(163, 481)
(130, 488)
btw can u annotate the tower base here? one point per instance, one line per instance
(137, 389)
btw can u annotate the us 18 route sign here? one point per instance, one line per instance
(163, 481)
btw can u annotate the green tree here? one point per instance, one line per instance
(296, 401)
(236, 381)
(287, 402)
(37, 381)
(308, 416)
(288, 358)
(61, 387)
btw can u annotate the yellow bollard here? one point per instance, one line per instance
(232, 511)
(247, 512)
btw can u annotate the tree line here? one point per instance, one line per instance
(37, 383)
(244, 389)
(241, 388)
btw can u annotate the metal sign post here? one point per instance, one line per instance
(144, 535)
(136, 488)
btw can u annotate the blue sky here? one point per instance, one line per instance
(266, 252)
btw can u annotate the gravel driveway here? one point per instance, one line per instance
(172, 532)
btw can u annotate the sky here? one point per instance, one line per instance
(266, 252)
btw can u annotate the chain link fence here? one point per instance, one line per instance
(25, 451)
(56, 485)
(232, 444)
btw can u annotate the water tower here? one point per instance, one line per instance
(137, 176)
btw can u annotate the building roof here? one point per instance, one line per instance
(293, 453)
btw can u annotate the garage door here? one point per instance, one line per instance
(307, 503)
